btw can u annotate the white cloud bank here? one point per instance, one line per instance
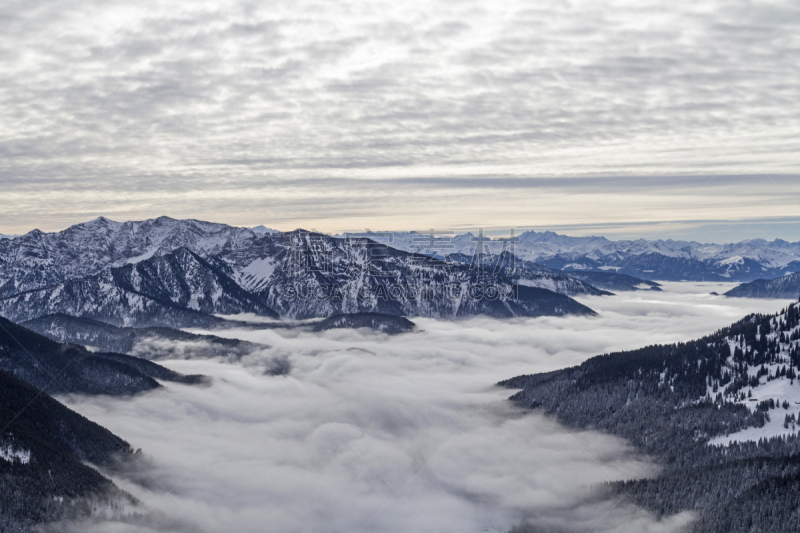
(363, 415)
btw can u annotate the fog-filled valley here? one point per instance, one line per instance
(397, 267)
(370, 432)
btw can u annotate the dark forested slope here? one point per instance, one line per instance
(43, 448)
(67, 368)
(389, 324)
(671, 400)
(783, 287)
(149, 343)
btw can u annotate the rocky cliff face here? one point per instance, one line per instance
(176, 289)
(36, 260)
(295, 275)
(305, 275)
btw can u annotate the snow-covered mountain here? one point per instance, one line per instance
(719, 415)
(653, 260)
(127, 276)
(176, 289)
(527, 273)
(184, 271)
(38, 259)
(746, 371)
(304, 275)
(783, 287)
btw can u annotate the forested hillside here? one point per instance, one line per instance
(784, 287)
(719, 414)
(43, 448)
(56, 368)
(150, 343)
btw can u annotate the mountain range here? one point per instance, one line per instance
(166, 272)
(25, 259)
(572, 283)
(718, 413)
(177, 288)
(182, 273)
(664, 260)
(36, 259)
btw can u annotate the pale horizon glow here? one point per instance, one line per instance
(707, 232)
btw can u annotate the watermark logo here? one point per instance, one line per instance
(427, 267)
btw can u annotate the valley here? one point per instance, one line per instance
(399, 414)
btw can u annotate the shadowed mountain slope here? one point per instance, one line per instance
(783, 287)
(389, 324)
(44, 446)
(58, 368)
(148, 343)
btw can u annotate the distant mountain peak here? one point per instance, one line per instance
(263, 229)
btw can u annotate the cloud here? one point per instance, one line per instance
(404, 433)
(277, 108)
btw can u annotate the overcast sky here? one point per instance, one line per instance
(621, 118)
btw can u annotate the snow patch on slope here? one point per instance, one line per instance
(145, 256)
(10, 454)
(257, 274)
(781, 390)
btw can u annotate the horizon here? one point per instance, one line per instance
(778, 230)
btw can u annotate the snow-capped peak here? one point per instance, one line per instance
(263, 229)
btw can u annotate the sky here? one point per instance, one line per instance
(370, 433)
(648, 118)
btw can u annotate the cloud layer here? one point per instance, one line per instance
(372, 433)
(397, 116)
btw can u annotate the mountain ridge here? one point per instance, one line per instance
(37, 259)
(783, 287)
(146, 342)
(718, 414)
(293, 275)
(61, 368)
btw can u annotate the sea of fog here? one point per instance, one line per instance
(371, 433)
